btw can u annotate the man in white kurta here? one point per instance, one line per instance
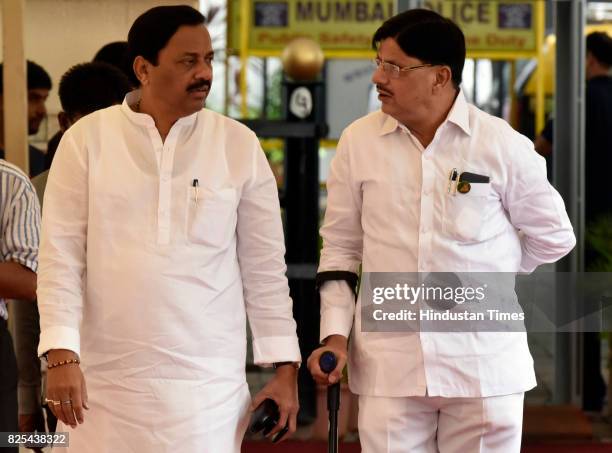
(392, 208)
(158, 243)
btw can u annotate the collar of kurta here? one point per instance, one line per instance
(458, 115)
(144, 119)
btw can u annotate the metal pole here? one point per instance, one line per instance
(540, 70)
(264, 108)
(568, 171)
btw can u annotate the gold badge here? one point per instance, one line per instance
(463, 187)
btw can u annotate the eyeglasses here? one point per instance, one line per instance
(393, 70)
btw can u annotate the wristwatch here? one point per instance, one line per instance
(280, 364)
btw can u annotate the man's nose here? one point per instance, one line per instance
(379, 77)
(41, 109)
(204, 72)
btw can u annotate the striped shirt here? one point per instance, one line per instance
(19, 220)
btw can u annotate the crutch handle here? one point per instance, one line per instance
(328, 362)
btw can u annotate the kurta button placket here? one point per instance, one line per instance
(427, 211)
(166, 163)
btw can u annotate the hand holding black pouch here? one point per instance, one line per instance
(265, 418)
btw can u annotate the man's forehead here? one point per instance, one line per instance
(390, 51)
(190, 39)
(38, 93)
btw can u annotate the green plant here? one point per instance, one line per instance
(599, 243)
(273, 101)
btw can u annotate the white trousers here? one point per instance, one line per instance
(436, 424)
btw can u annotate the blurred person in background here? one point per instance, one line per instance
(116, 54)
(39, 85)
(598, 194)
(19, 231)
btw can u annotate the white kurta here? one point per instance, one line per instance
(389, 209)
(152, 256)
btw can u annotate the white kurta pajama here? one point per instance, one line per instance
(389, 210)
(152, 256)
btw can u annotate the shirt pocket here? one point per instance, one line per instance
(211, 216)
(464, 213)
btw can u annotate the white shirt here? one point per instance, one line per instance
(389, 210)
(152, 256)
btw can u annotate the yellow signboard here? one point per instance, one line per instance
(492, 25)
(335, 25)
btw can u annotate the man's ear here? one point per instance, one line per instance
(141, 69)
(444, 76)
(64, 121)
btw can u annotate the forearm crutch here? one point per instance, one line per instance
(328, 363)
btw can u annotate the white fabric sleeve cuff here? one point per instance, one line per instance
(269, 350)
(59, 337)
(335, 322)
(337, 309)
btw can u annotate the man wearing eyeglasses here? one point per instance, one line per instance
(429, 184)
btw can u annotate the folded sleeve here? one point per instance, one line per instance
(62, 258)
(342, 242)
(261, 254)
(20, 241)
(536, 208)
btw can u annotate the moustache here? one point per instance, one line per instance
(199, 84)
(381, 90)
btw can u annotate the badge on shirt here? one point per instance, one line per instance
(463, 187)
(466, 179)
